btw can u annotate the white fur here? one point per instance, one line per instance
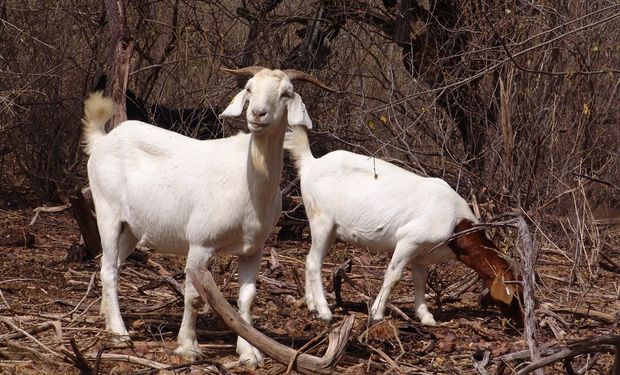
(189, 197)
(376, 205)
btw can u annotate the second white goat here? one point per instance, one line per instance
(376, 205)
(189, 197)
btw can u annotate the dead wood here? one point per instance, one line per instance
(130, 359)
(13, 326)
(174, 285)
(37, 354)
(586, 312)
(528, 256)
(480, 359)
(38, 210)
(38, 329)
(608, 343)
(609, 264)
(525, 354)
(174, 369)
(393, 365)
(80, 362)
(91, 283)
(305, 364)
(119, 59)
(84, 213)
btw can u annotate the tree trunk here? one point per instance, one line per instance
(118, 73)
(119, 60)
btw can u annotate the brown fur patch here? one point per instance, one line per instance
(476, 251)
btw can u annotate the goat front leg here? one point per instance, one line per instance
(393, 273)
(248, 269)
(419, 283)
(188, 348)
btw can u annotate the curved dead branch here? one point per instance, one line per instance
(609, 343)
(305, 363)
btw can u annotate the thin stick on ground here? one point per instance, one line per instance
(91, 283)
(9, 323)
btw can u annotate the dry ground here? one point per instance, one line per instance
(56, 302)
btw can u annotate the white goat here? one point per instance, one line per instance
(379, 206)
(190, 197)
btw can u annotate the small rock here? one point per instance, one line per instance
(448, 344)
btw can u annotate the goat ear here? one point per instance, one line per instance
(235, 107)
(297, 113)
(500, 291)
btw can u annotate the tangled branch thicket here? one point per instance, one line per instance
(515, 104)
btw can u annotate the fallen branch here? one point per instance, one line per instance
(393, 365)
(593, 345)
(38, 210)
(12, 325)
(174, 369)
(38, 329)
(584, 311)
(613, 267)
(80, 362)
(305, 364)
(91, 283)
(525, 354)
(130, 359)
(37, 354)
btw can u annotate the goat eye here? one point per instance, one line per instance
(248, 90)
(287, 94)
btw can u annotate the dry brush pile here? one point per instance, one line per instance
(515, 105)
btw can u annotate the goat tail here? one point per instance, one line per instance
(296, 142)
(97, 111)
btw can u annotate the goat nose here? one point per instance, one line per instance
(259, 111)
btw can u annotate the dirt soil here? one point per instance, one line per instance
(49, 312)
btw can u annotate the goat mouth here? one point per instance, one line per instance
(256, 127)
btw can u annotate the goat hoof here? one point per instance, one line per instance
(376, 318)
(325, 316)
(251, 359)
(428, 320)
(190, 353)
(117, 341)
(310, 304)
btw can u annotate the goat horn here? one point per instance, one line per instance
(247, 71)
(301, 76)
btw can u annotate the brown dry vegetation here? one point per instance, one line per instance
(514, 104)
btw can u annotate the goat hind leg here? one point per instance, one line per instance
(126, 244)
(110, 231)
(393, 273)
(323, 236)
(419, 283)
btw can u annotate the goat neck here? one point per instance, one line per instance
(265, 155)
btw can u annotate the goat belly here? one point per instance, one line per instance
(374, 238)
(163, 243)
